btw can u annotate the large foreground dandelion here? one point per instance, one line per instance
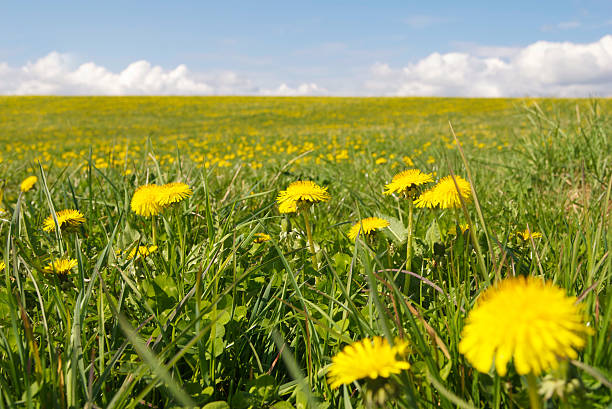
(525, 320)
(367, 226)
(405, 182)
(300, 194)
(67, 220)
(368, 358)
(445, 194)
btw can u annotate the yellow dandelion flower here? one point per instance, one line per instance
(380, 161)
(524, 319)
(526, 235)
(68, 220)
(288, 207)
(28, 183)
(173, 193)
(2, 266)
(61, 266)
(445, 194)
(426, 199)
(261, 237)
(300, 193)
(369, 224)
(143, 251)
(368, 358)
(145, 201)
(407, 180)
(463, 227)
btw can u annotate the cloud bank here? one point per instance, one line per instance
(561, 69)
(56, 74)
(540, 69)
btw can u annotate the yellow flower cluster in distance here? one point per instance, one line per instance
(261, 237)
(67, 220)
(297, 129)
(368, 358)
(445, 194)
(61, 266)
(28, 183)
(300, 193)
(404, 182)
(367, 226)
(525, 319)
(150, 200)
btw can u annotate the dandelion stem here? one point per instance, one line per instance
(409, 246)
(532, 388)
(153, 231)
(310, 241)
(67, 243)
(497, 392)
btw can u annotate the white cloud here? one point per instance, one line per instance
(58, 74)
(540, 69)
(563, 69)
(300, 90)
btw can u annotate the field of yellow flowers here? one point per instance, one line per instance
(243, 252)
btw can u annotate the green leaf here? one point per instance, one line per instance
(396, 230)
(216, 405)
(433, 234)
(446, 369)
(341, 261)
(283, 405)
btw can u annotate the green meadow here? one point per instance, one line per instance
(219, 300)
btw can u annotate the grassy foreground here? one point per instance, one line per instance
(211, 318)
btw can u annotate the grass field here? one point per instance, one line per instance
(194, 307)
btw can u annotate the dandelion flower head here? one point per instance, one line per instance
(526, 235)
(407, 180)
(28, 183)
(261, 237)
(368, 358)
(300, 193)
(67, 220)
(146, 200)
(171, 193)
(525, 320)
(367, 226)
(140, 251)
(445, 194)
(463, 227)
(426, 199)
(61, 266)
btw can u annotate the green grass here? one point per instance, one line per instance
(212, 317)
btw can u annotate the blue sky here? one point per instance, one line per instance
(333, 44)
